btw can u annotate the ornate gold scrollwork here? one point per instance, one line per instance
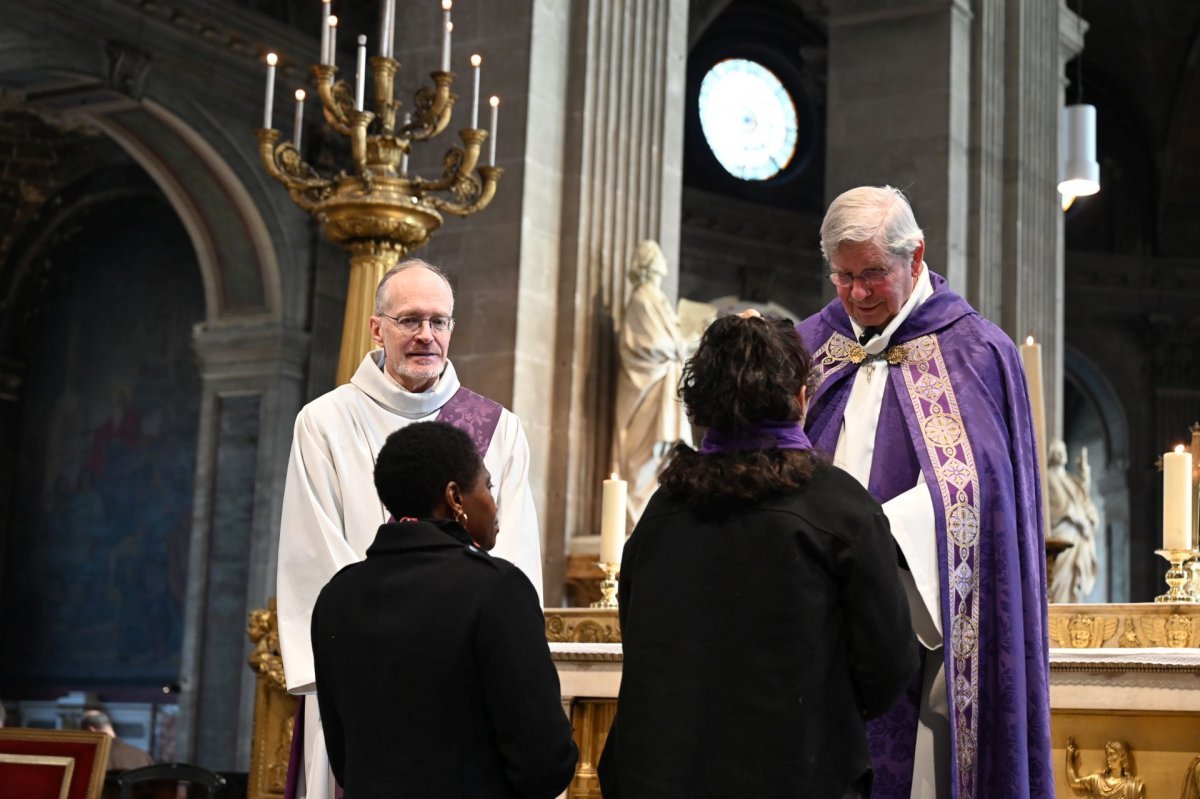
(1082, 632)
(583, 628)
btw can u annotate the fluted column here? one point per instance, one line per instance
(622, 180)
(1032, 261)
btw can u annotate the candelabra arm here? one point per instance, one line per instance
(283, 162)
(476, 195)
(457, 164)
(433, 108)
(336, 99)
(359, 122)
(384, 70)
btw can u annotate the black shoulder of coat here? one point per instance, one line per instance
(477, 555)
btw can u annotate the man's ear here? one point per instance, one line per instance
(918, 258)
(376, 324)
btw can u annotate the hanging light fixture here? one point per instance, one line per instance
(1079, 172)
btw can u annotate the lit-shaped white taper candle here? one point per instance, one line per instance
(325, 9)
(495, 103)
(333, 23)
(269, 101)
(476, 60)
(612, 519)
(360, 76)
(298, 124)
(387, 27)
(1177, 499)
(447, 26)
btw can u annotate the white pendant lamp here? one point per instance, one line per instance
(1079, 173)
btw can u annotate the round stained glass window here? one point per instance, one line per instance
(748, 118)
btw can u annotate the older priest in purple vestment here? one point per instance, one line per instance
(924, 401)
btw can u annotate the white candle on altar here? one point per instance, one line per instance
(612, 519)
(476, 60)
(325, 9)
(447, 26)
(269, 104)
(333, 23)
(1031, 359)
(360, 76)
(1177, 499)
(495, 103)
(298, 125)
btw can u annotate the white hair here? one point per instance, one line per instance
(880, 214)
(408, 263)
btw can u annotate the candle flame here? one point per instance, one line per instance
(1029, 340)
(614, 475)
(476, 60)
(299, 95)
(1179, 447)
(272, 59)
(333, 20)
(446, 4)
(449, 27)
(494, 101)
(362, 40)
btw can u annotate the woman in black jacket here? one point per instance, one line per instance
(434, 678)
(762, 615)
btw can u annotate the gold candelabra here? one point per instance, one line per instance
(375, 209)
(608, 586)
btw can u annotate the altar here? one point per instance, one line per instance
(1124, 673)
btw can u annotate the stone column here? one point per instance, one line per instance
(252, 379)
(618, 160)
(899, 110)
(1032, 224)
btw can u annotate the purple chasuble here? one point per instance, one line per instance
(956, 409)
(475, 415)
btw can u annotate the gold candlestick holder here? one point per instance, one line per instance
(1193, 584)
(1177, 576)
(608, 588)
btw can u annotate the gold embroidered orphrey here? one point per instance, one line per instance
(938, 417)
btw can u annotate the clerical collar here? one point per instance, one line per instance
(920, 293)
(373, 381)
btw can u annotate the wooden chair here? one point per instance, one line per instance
(52, 764)
(149, 780)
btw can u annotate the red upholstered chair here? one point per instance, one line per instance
(52, 764)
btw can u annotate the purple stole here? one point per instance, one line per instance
(475, 415)
(956, 409)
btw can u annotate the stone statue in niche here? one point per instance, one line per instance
(1074, 519)
(650, 417)
(1116, 779)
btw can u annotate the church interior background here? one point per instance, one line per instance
(195, 308)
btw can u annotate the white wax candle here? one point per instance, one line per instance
(1177, 499)
(612, 520)
(447, 26)
(269, 101)
(360, 77)
(495, 103)
(333, 23)
(476, 60)
(1031, 359)
(298, 124)
(325, 8)
(387, 26)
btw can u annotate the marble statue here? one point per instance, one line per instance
(1073, 518)
(650, 418)
(1115, 780)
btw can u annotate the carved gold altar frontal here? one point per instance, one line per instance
(583, 625)
(274, 708)
(1149, 624)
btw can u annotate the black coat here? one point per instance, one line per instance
(757, 643)
(434, 678)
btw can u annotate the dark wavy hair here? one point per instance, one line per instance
(418, 461)
(745, 371)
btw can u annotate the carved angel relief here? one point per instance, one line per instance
(1082, 632)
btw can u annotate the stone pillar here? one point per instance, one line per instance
(252, 379)
(1032, 224)
(899, 110)
(985, 215)
(618, 160)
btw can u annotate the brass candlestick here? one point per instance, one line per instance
(1177, 576)
(608, 588)
(375, 209)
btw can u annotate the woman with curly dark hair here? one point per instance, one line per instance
(762, 616)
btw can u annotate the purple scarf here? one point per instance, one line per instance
(763, 435)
